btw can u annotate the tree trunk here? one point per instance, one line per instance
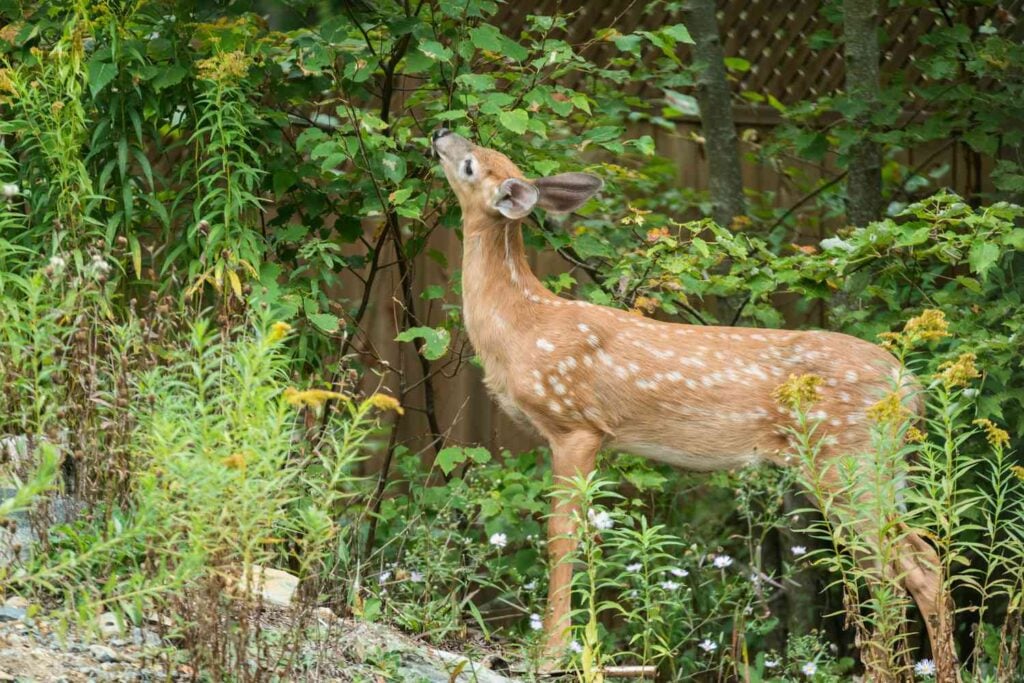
(715, 99)
(864, 181)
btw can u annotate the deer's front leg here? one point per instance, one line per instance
(572, 455)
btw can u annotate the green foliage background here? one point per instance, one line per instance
(236, 164)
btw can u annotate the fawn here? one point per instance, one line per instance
(588, 376)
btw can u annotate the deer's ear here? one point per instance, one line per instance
(567, 192)
(515, 198)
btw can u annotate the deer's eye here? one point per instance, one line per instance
(468, 167)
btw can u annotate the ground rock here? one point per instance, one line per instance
(275, 586)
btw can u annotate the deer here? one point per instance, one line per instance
(696, 397)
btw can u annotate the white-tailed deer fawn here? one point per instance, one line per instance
(588, 376)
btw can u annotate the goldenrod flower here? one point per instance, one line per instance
(889, 411)
(929, 326)
(1018, 471)
(915, 435)
(312, 398)
(385, 402)
(959, 372)
(278, 331)
(225, 66)
(996, 437)
(798, 391)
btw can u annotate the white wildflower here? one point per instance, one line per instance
(679, 572)
(634, 568)
(925, 667)
(771, 663)
(798, 550)
(57, 263)
(415, 576)
(536, 623)
(708, 645)
(837, 243)
(499, 540)
(722, 561)
(670, 585)
(575, 646)
(809, 669)
(601, 520)
(11, 190)
(384, 576)
(530, 585)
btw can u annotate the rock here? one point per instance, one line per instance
(325, 614)
(17, 602)
(274, 586)
(103, 654)
(11, 614)
(108, 625)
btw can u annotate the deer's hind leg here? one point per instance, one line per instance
(859, 498)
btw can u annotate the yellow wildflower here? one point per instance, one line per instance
(915, 435)
(889, 411)
(278, 331)
(959, 372)
(225, 66)
(798, 391)
(385, 402)
(1018, 471)
(996, 437)
(235, 461)
(929, 326)
(645, 304)
(312, 398)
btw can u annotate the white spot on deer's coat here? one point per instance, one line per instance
(583, 327)
(674, 376)
(844, 397)
(538, 389)
(633, 367)
(588, 361)
(690, 384)
(832, 382)
(694, 362)
(605, 358)
(850, 376)
(621, 372)
(759, 337)
(560, 389)
(545, 345)
(593, 341)
(555, 408)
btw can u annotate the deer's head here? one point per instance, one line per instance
(487, 181)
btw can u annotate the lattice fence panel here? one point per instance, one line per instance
(794, 48)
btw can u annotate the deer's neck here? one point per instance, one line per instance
(501, 295)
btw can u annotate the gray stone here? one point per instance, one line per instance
(103, 654)
(11, 614)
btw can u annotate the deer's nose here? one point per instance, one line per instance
(440, 133)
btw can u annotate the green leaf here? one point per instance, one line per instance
(168, 76)
(488, 37)
(678, 33)
(982, 257)
(100, 74)
(450, 458)
(435, 51)
(515, 120)
(737, 63)
(435, 340)
(325, 322)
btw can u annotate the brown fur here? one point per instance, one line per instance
(588, 377)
